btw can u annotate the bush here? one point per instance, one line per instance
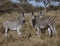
(53, 8)
(10, 7)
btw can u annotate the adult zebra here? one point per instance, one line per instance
(42, 23)
(14, 25)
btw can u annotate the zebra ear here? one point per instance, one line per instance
(22, 13)
(32, 13)
(41, 13)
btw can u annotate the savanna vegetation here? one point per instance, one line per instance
(10, 11)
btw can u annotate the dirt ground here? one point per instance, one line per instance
(29, 40)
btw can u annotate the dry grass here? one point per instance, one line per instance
(29, 32)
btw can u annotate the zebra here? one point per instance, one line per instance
(42, 23)
(14, 25)
(33, 19)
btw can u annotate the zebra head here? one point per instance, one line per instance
(33, 16)
(21, 18)
(33, 19)
(41, 14)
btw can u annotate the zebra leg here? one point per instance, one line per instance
(19, 32)
(54, 30)
(54, 26)
(6, 30)
(37, 31)
(49, 30)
